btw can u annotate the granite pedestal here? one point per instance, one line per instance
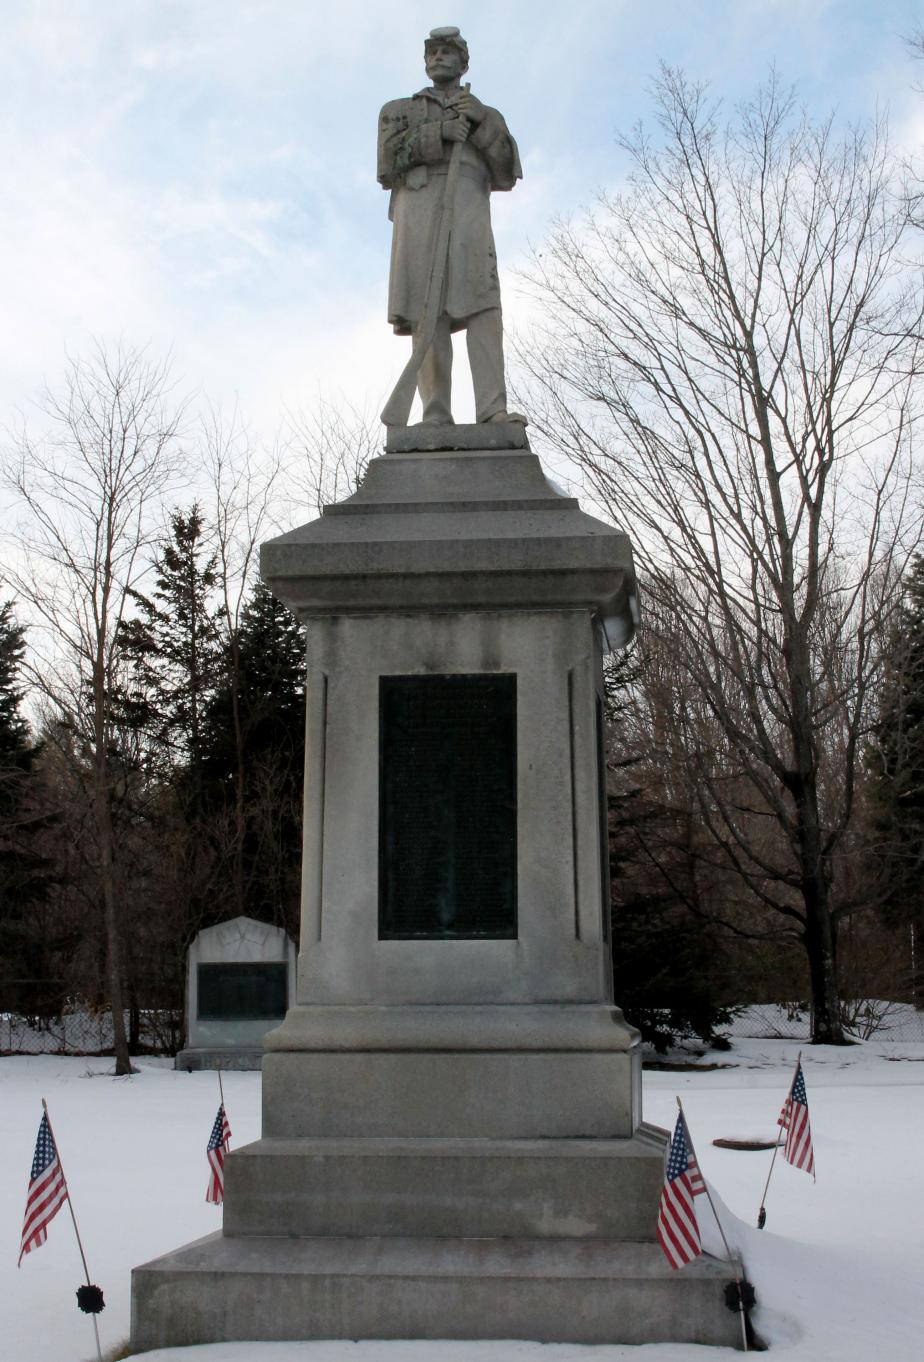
(453, 1144)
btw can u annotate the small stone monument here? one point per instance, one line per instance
(240, 978)
(453, 1144)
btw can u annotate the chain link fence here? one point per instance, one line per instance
(864, 1019)
(61, 1025)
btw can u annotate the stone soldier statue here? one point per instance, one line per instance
(417, 137)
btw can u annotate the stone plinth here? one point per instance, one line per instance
(453, 1143)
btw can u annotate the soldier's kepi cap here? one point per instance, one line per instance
(451, 35)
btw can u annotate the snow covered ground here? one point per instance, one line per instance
(838, 1270)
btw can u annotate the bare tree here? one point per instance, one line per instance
(730, 352)
(914, 41)
(329, 448)
(242, 505)
(89, 493)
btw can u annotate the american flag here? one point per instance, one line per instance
(218, 1146)
(794, 1118)
(47, 1191)
(678, 1229)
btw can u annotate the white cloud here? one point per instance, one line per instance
(202, 175)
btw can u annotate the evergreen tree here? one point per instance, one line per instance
(272, 646)
(670, 963)
(15, 748)
(174, 646)
(25, 873)
(670, 968)
(896, 759)
(253, 759)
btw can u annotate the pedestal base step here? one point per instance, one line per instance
(460, 1189)
(552, 1291)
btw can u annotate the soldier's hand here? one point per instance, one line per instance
(470, 108)
(455, 129)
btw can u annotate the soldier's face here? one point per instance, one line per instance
(443, 62)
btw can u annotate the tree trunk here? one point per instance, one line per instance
(819, 936)
(827, 1028)
(239, 806)
(103, 812)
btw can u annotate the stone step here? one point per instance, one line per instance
(582, 1189)
(551, 1290)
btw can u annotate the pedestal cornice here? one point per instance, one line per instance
(435, 530)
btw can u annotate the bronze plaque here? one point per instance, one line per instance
(448, 806)
(243, 991)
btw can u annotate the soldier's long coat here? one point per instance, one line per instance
(413, 161)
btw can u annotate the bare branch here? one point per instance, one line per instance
(731, 355)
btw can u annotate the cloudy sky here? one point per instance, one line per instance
(199, 175)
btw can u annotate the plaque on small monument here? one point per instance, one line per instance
(447, 807)
(242, 990)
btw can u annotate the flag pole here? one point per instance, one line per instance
(70, 1207)
(762, 1213)
(221, 1091)
(731, 1259)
